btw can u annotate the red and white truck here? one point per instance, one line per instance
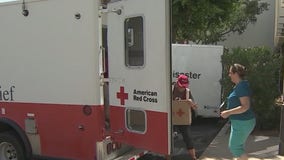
(72, 89)
(57, 102)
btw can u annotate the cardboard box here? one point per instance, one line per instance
(181, 113)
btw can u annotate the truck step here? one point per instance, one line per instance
(132, 155)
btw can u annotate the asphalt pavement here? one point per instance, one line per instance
(203, 131)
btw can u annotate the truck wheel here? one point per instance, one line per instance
(11, 147)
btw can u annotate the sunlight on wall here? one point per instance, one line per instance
(2, 1)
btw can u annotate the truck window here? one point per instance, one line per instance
(136, 120)
(134, 41)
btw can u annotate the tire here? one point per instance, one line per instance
(11, 147)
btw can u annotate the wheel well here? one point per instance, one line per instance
(9, 125)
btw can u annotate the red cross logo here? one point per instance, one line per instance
(180, 113)
(121, 95)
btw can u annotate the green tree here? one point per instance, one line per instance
(207, 21)
(263, 69)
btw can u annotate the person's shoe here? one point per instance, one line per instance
(243, 157)
(192, 154)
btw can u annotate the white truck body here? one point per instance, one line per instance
(202, 64)
(52, 68)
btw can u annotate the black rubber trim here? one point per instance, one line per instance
(37, 157)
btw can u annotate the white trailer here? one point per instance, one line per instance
(202, 64)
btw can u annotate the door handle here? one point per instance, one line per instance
(120, 131)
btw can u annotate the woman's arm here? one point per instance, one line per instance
(190, 99)
(245, 104)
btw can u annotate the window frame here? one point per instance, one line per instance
(126, 53)
(127, 120)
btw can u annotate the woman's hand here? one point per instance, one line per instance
(177, 98)
(192, 104)
(245, 104)
(225, 114)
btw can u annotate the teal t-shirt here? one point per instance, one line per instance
(242, 89)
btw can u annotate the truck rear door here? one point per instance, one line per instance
(139, 73)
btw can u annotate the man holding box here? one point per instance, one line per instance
(182, 92)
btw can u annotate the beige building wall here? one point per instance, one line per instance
(279, 23)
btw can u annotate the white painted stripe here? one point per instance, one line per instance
(30, 114)
(3, 111)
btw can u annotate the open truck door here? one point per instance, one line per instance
(139, 49)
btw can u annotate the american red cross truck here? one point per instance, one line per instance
(80, 80)
(68, 93)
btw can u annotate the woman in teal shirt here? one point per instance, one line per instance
(239, 112)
